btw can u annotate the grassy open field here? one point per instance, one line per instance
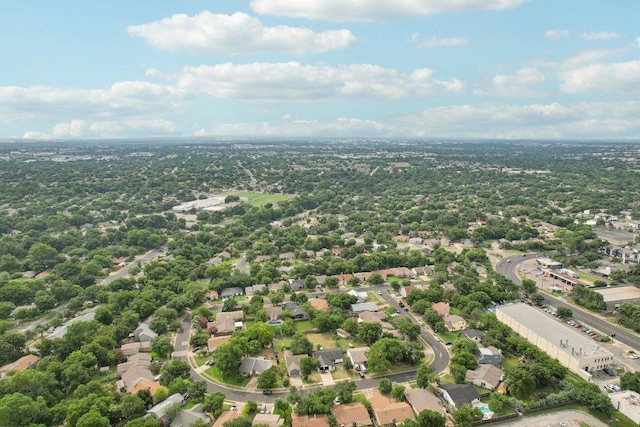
(325, 340)
(260, 199)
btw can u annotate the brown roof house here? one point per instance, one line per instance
(351, 415)
(319, 304)
(442, 308)
(454, 322)
(421, 400)
(320, 420)
(271, 420)
(485, 376)
(214, 342)
(390, 413)
(358, 355)
(226, 322)
(22, 364)
(273, 313)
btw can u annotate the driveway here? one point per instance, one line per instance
(327, 379)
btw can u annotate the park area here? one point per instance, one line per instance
(259, 199)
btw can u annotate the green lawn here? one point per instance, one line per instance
(237, 380)
(284, 343)
(303, 325)
(260, 199)
(448, 336)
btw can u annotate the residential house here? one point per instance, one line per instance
(212, 295)
(189, 417)
(358, 355)
(369, 317)
(255, 290)
(273, 313)
(22, 364)
(457, 395)
(271, 420)
(454, 322)
(362, 296)
(295, 311)
(364, 306)
(226, 322)
(224, 255)
(151, 385)
(485, 376)
(296, 285)
(226, 416)
(473, 334)
(287, 256)
(320, 420)
(138, 359)
(276, 287)
(353, 414)
(134, 375)
(328, 359)
(293, 363)
(489, 355)
(262, 258)
(214, 342)
(134, 347)
(143, 333)
(400, 239)
(228, 293)
(254, 365)
(388, 412)
(427, 270)
(442, 308)
(342, 333)
(404, 290)
(421, 400)
(319, 304)
(161, 411)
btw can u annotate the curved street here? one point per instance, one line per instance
(439, 363)
(508, 266)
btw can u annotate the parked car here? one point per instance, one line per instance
(267, 392)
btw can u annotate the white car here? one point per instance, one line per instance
(635, 356)
(437, 338)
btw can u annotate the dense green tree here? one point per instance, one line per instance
(385, 386)
(213, 402)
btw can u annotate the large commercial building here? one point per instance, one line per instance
(572, 349)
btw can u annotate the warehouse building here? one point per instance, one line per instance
(572, 349)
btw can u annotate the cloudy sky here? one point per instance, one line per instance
(355, 68)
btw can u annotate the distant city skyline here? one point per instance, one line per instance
(515, 69)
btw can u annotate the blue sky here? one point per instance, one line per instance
(542, 69)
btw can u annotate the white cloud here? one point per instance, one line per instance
(207, 33)
(121, 99)
(638, 41)
(599, 36)
(514, 85)
(374, 10)
(106, 129)
(433, 42)
(622, 78)
(292, 81)
(339, 127)
(556, 34)
(583, 120)
(592, 55)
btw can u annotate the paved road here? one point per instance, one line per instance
(123, 272)
(440, 362)
(440, 353)
(507, 267)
